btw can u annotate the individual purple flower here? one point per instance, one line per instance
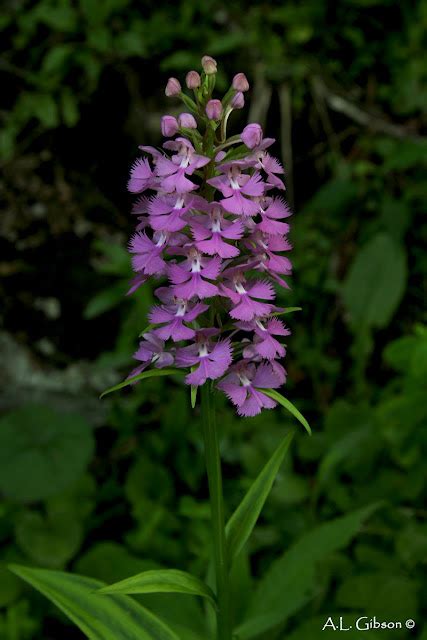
(172, 173)
(252, 135)
(167, 212)
(147, 253)
(141, 176)
(191, 279)
(266, 248)
(243, 294)
(172, 315)
(272, 210)
(211, 232)
(169, 126)
(242, 386)
(267, 163)
(236, 186)
(264, 343)
(209, 359)
(151, 350)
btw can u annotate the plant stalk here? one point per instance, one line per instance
(213, 467)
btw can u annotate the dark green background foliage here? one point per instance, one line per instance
(109, 488)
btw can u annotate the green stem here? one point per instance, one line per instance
(213, 467)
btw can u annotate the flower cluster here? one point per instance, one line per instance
(211, 228)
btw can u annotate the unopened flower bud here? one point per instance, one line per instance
(238, 101)
(173, 88)
(240, 82)
(252, 135)
(187, 121)
(209, 65)
(169, 126)
(193, 80)
(214, 109)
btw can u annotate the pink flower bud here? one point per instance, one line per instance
(252, 135)
(173, 88)
(209, 65)
(214, 109)
(238, 101)
(193, 80)
(240, 82)
(187, 121)
(169, 126)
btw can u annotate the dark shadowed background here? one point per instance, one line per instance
(108, 488)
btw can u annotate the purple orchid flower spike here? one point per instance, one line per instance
(212, 228)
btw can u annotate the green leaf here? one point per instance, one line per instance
(287, 404)
(292, 579)
(110, 562)
(376, 282)
(69, 108)
(162, 581)
(146, 329)
(153, 373)
(100, 618)
(193, 395)
(382, 594)
(45, 108)
(10, 587)
(105, 300)
(56, 58)
(49, 541)
(286, 311)
(243, 520)
(42, 452)
(333, 197)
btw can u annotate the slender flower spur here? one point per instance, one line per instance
(215, 234)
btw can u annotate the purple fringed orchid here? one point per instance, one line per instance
(212, 229)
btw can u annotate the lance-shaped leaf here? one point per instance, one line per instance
(243, 520)
(152, 373)
(193, 396)
(287, 404)
(100, 618)
(162, 581)
(293, 579)
(286, 311)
